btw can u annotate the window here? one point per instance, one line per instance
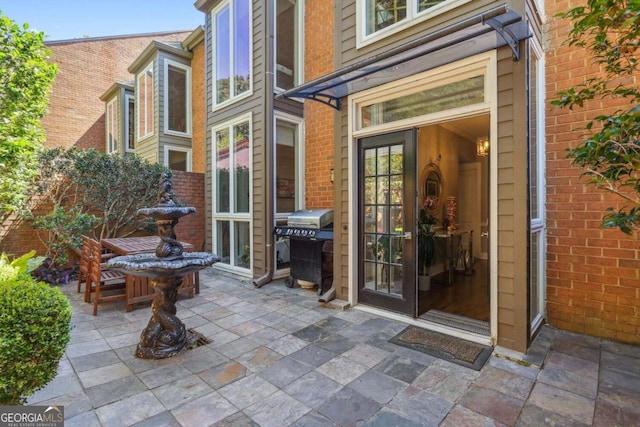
(177, 158)
(129, 122)
(289, 172)
(232, 194)
(232, 50)
(111, 121)
(536, 95)
(289, 43)
(452, 95)
(379, 18)
(145, 102)
(460, 87)
(177, 98)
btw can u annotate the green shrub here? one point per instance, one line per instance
(35, 321)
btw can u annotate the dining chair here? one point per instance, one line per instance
(101, 280)
(85, 259)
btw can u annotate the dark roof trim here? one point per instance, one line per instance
(489, 30)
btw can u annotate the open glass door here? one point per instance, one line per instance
(386, 189)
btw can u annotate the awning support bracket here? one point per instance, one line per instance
(331, 101)
(507, 35)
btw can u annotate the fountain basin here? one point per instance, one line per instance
(148, 265)
(166, 212)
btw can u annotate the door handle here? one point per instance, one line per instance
(408, 235)
(484, 234)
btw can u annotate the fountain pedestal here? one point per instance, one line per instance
(165, 334)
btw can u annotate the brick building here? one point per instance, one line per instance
(86, 69)
(593, 273)
(538, 242)
(76, 115)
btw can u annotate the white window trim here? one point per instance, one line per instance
(127, 99)
(249, 92)
(413, 17)
(538, 224)
(298, 76)
(139, 104)
(111, 119)
(466, 68)
(540, 220)
(168, 148)
(229, 216)
(488, 62)
(187, 69)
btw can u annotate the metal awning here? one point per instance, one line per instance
(487, 31)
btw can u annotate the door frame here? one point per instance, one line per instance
(488, 63)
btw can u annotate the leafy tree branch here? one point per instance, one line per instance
(610, 153)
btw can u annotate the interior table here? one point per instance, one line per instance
(139, 289)
(453, 245)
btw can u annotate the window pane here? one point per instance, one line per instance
(286, 35)
(222, 171)
(242, 46)
(283, 255)
(426, 4)
(112, 127)
(241, 166)
(149, 102)
(242, 244)
(131, 143)
(177, 160)
(140, 89)
(286, 165)
(177, 102)
(534, 302)
(223, 245)
(533, 133)
(453, 95)
(222, 55)
(382, 13)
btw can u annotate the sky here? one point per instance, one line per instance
(70, 19)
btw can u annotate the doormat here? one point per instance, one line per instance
(451, 349)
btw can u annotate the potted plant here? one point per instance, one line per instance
(426, 245)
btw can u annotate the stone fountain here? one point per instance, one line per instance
(165, 334)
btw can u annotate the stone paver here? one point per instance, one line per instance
(279, 358)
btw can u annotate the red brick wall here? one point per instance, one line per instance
(319, 118)
(188, 188)
(86, 69)
(17, 237)
(593, 274)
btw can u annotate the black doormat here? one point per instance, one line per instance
(451, 349)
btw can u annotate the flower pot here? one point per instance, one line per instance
(424, 283)
(304, 284)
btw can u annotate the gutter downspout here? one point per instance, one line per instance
(268, 145)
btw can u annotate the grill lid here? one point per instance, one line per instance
(311, 218)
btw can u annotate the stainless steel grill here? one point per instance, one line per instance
(310, 234)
